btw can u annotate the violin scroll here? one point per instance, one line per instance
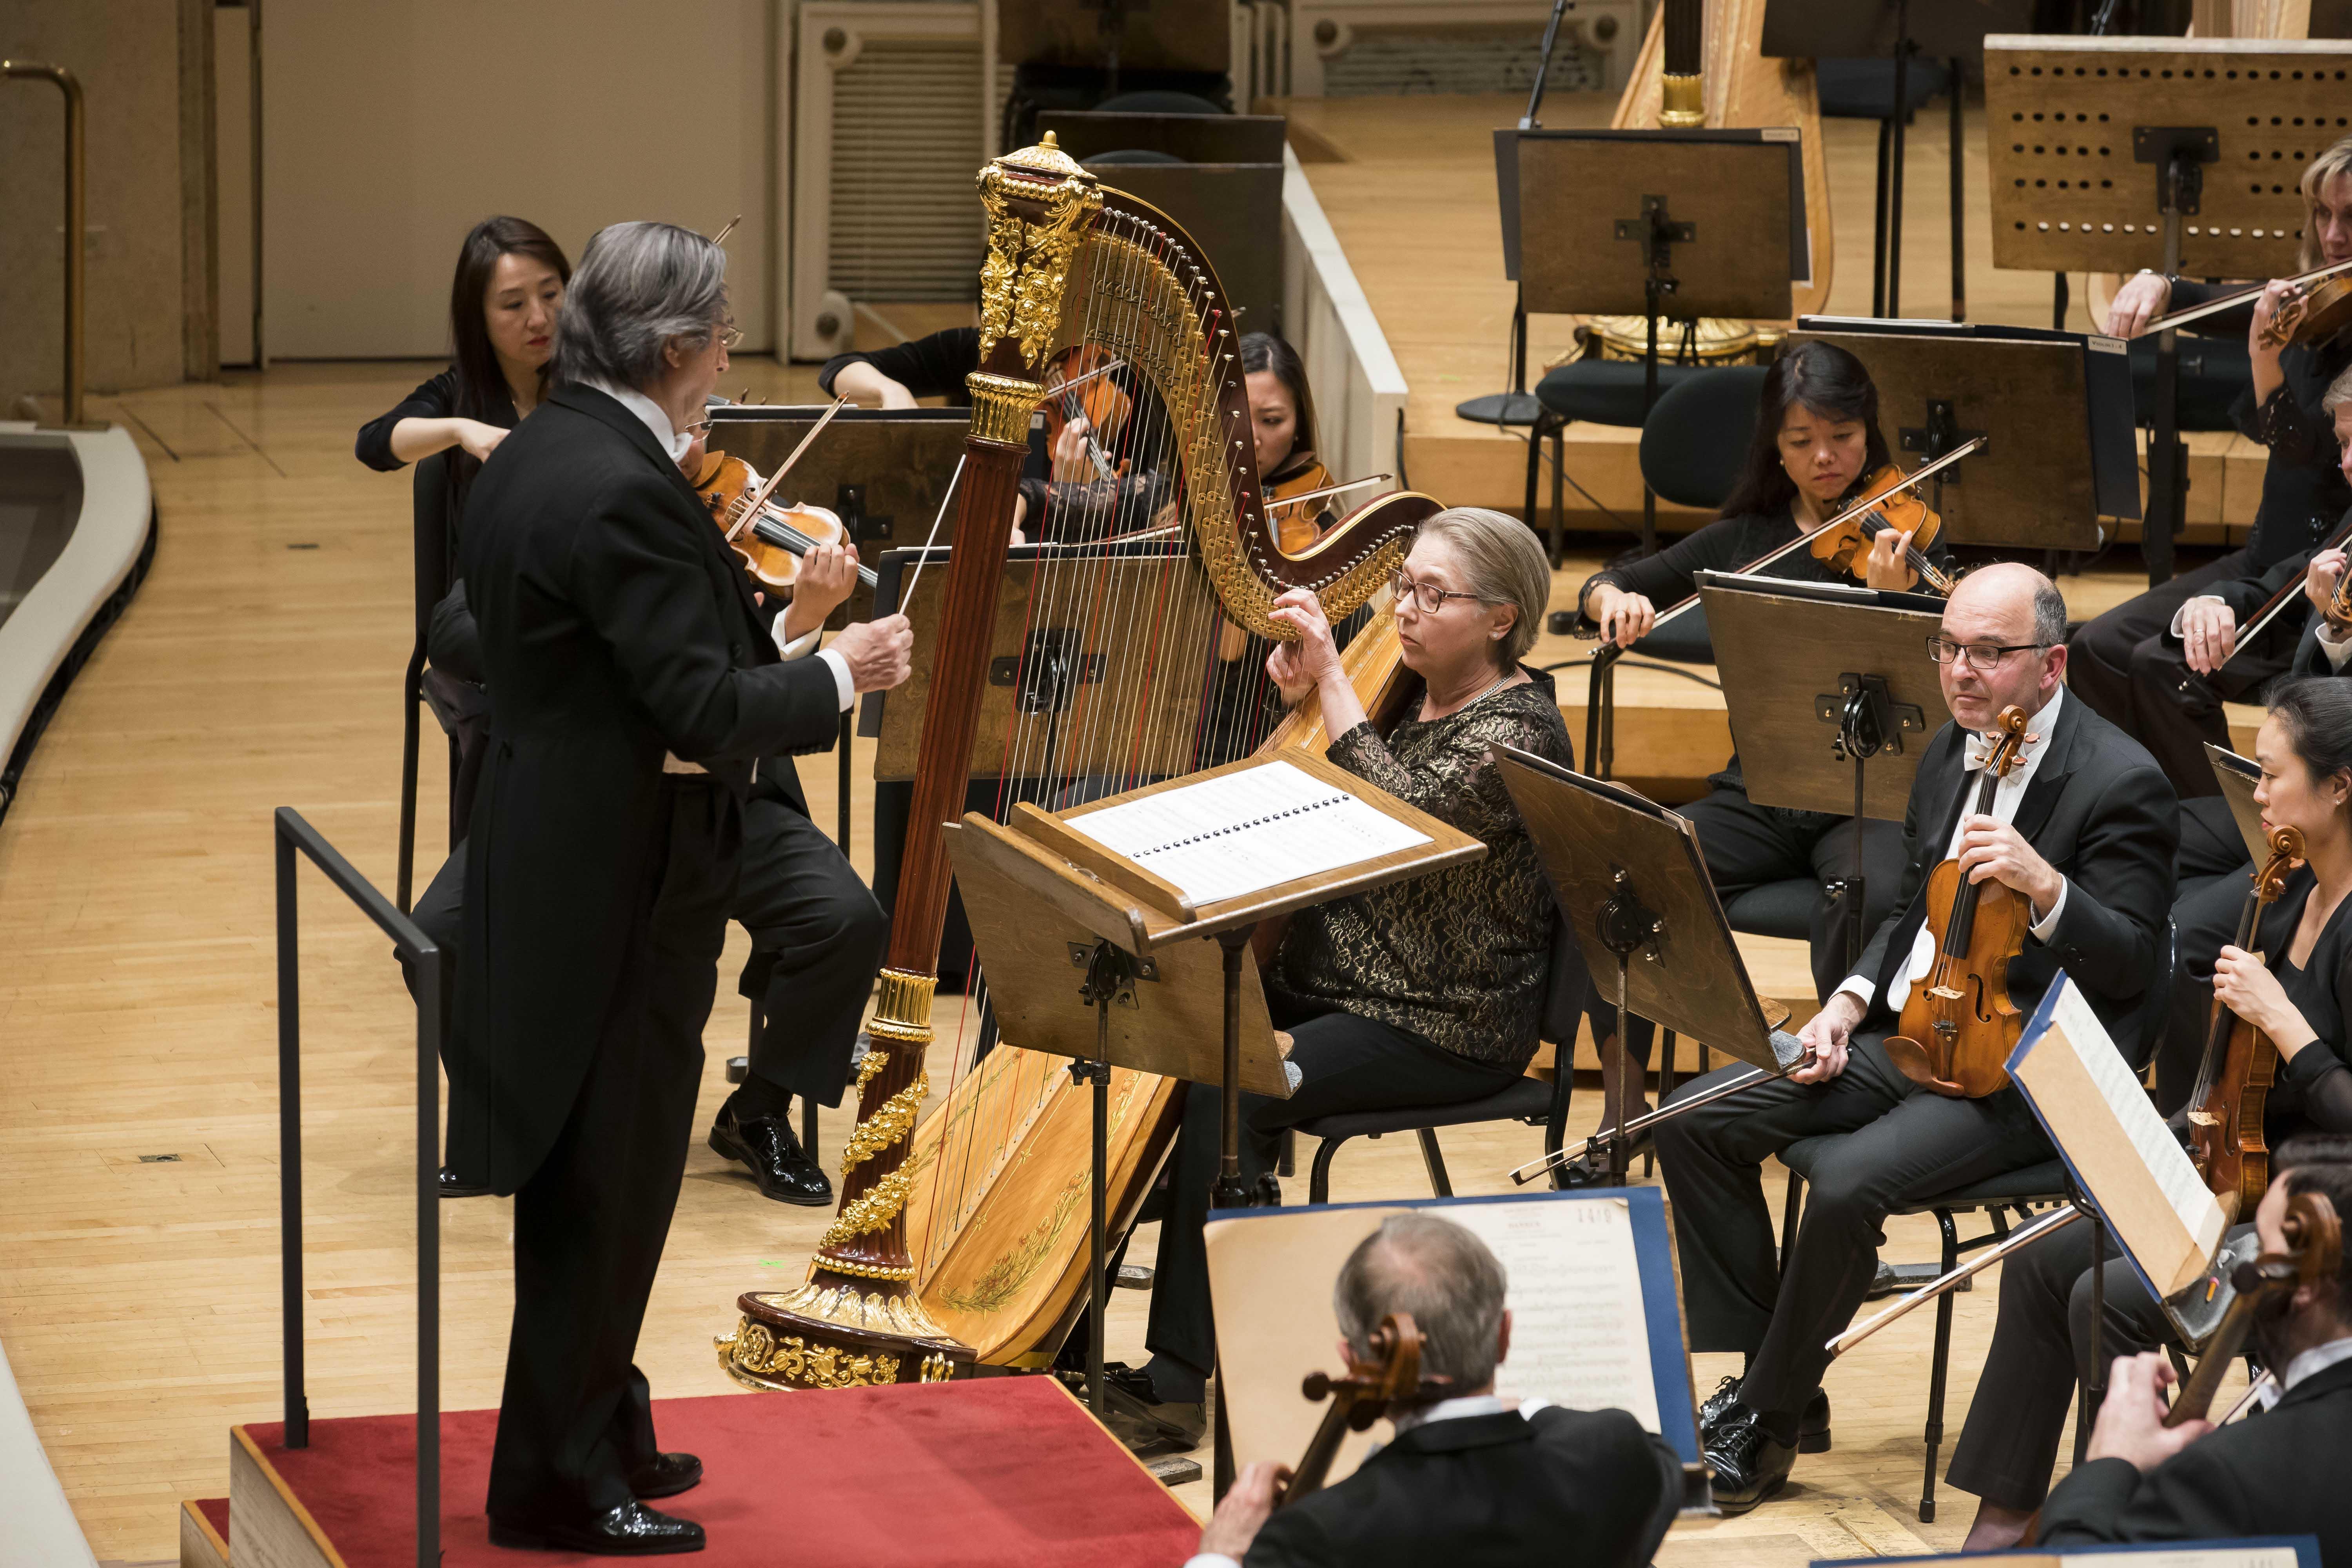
(2287, 850)
(1389, 1371)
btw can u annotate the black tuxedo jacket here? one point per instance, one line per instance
(2277, 1474)
(2100, 811)
(615, 628)
(1590, 1489)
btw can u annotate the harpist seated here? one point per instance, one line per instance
(1428, 992)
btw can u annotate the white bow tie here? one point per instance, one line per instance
(1981, 748)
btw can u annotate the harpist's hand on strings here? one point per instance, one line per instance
(1299, 667)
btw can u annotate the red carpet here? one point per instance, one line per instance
(999, 1470)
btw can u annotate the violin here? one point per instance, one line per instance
(768, 537)
(1843, 545)
(1287, 507)
(2314, 312)
(1079, 386)
(1958, 1024)
(1359, 1396)
(2314, 1239)
(2225, 1109)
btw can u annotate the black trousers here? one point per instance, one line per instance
(1345, 1063)
(817, 938)
(2040, 1348)
(575, 1417)
(1897, 1143)
(1748, 846)
(2127, 664)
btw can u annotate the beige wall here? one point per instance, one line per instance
(389, 129)
(141, 268)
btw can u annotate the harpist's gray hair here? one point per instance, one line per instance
(640, 287)
(1445, 1279)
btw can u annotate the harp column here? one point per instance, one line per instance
(859, 1319)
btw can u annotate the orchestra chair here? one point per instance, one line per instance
(2213, 372)
(1529, 1099)
(2036, 1186)
(435, 540)
(1594, 390)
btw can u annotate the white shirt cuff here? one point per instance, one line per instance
(845, 689)
(1210, 1560)
(2336, 652)
(2049, 923)
(1862, 991)
(2176, 615)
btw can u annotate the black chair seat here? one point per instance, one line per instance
(2042, 1182)
(2213, 372)
(1777, 909)
(1608, 391)
(1527, 1100)
(1864, 88)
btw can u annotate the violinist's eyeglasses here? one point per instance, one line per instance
(1980, 656)
(1428, 596)
(731, 338)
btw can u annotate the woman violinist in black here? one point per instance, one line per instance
(1817, 443)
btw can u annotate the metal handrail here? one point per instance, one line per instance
(67, 84)
(424, 959)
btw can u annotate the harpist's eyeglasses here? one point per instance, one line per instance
(1428, 596)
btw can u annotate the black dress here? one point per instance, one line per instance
(2041, 1339)
(1748, 846)
(435, 399)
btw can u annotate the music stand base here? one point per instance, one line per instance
(1501, 408)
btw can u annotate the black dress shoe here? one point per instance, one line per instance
(629, 1530)
(665, 1474)
(1749, 1464)
(1812, 1429)
(453, 1187)
(781, 1169)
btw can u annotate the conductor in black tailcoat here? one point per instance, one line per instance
(634, 681)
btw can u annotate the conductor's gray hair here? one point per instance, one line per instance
(2338, 393)
(640, 288)
(1440, 1275)
(1503, 564)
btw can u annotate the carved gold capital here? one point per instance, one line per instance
(1039, 203)
(1001, 406)
(903, 1010)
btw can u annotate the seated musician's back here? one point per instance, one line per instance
(1468, 1480)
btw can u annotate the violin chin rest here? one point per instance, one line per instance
(1911, 1059)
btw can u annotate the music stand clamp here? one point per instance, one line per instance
(1869, 720)
(1626, 926)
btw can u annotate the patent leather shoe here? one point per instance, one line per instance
(665, 1474)
(628, 1529)
(1748, 1465)
(1812, 1429)
(779, 1167)
(453, 1185)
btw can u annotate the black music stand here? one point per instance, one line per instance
(1821, 680)
(1609, 223)
(1190, 138)
(2097, 161)
(1949, 30)
(2054, 408)
(1629, 880)
(1076, 53)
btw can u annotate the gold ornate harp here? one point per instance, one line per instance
(963, 1239)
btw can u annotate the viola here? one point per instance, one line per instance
(1843, 545)
(2239, 1064)
(1958, 1024)
(1359, 1396)
(2314, 1239)
(1079, 386)
(768, 537)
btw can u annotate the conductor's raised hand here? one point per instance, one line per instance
(2139, 302)
(879, 653)
(1827, 1035)
(1298, 666)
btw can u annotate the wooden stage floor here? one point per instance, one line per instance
(258, 668)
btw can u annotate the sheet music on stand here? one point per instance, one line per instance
(2238, 776)
(1596, 1317)
(2247, 1551)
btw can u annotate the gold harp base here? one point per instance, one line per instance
(778, 1345)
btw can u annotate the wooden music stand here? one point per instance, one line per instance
(1821, 680)
(2097, 155)
(2055, 409)
(1065, 923)
(1630, 878)
(1659, 223)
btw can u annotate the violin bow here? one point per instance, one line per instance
(721, 237)
(2188, 314)
(1330, 490)
(760, 497)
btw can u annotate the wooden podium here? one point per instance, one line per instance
(1093, 955)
